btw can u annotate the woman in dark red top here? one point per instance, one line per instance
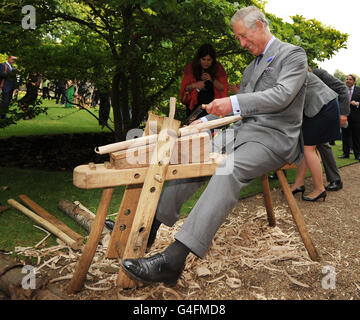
(204, 80)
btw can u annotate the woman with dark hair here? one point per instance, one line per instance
(204, 80)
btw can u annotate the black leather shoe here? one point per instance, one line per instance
(153, 269)
(334, 186)
(299, 189)
(344, 156)
(274, 176)
(321, 195)
(109, 224)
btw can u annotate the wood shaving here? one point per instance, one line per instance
(244, 240)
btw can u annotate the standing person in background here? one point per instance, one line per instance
(326, 152)
(204, 80)
(32, 88)
(351, 133)
(321, 124)
(70, 90)
(8, 83)
(60, 91)
(45, 89)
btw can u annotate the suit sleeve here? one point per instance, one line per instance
(3, 74)
(338, 86)
(282, 89)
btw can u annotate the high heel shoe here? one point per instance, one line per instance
(299, 189)
(321, 195)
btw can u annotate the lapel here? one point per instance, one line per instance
(267, 59)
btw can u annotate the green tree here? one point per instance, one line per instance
(139, 48)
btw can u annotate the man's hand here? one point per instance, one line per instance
(220, 107)
(195, 122)
(343, 120)
(354, 103)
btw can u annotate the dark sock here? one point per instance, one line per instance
(152, 236)
(176, 254)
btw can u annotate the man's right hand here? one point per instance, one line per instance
(195, 122)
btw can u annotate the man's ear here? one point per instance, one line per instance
(259, 25)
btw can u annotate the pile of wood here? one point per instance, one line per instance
(11, 271)
(48, 221)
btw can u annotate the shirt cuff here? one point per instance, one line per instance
(235, 105)
(204, 119)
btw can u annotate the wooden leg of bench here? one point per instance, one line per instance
(86, 258)
(268, 201)
(299, 220)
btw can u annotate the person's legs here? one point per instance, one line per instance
(330, 167)
(313, 163)
(355, 134)
(346, 141)
(247, 162)
(300, 175)
(4, 103)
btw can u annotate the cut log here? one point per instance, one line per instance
(81, 206)
(46, 224)
(82, 217)
(47, 216)
(11, 278)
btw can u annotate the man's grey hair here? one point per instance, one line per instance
(249, 16)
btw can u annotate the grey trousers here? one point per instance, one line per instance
(329, 162)
(245, 163)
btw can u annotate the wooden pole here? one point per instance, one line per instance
(299, 220)
(185, 131)
(86, 258)
(47, 216)
(268, 200)
(46, 224)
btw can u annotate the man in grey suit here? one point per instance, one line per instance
(270, 101)
(326, 153)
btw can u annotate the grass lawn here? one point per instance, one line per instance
(48, 188)
(58, 120)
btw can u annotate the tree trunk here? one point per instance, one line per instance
(115, 103)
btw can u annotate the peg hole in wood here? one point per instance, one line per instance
(174, 172)
(152, 189)
(127, 212)
(141, 229)
(123, 227)
(137, 175)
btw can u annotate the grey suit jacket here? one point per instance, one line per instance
(317, 95)
(271, 100)
(338, 86)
